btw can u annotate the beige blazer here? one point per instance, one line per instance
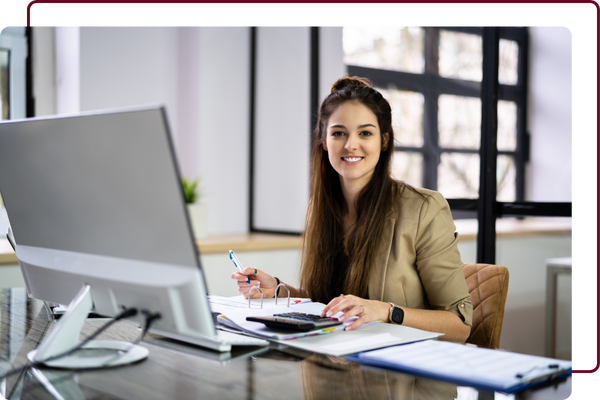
(419, 263)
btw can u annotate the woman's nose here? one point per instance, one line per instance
(351, 143)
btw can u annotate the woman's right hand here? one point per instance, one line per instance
(266, 282)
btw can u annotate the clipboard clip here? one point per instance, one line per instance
(545, 377)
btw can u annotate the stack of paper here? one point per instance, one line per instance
(335, 341)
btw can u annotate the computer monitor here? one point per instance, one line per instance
(95, 201)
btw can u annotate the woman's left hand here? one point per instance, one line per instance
(351, 306)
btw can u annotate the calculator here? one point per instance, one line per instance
(296, 321)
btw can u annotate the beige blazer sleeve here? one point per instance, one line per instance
(419, 265)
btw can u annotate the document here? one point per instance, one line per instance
(497, 370)
(366, 337)
(334, 341)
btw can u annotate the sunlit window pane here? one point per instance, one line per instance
(460, 55)
(458, 175)
(459, 121)
(393, 48)
(407, 116)
(506, 173)
(507, 125)
(4, 102)
(408, 167)
(508, 61)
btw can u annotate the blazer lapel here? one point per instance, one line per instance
(378, 274)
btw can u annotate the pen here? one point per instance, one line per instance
(237, 263)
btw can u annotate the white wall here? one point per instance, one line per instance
(44, 69)
(222, 118)
(202, 76)
(282, 133)
(549, 115)
(67, 71)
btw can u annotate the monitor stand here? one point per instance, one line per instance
(65, 336)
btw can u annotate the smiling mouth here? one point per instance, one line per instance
(352, 159)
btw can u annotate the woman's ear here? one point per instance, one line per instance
(325, 145)
(385, 139)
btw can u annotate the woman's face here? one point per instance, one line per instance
(354, 143)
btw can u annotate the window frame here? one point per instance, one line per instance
(431, 85)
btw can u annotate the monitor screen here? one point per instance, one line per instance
(96, 199)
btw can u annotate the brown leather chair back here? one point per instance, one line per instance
(488, 286)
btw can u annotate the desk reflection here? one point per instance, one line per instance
(326, 377)
(321, 377)
(175, 370)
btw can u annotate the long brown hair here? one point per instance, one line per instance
(324, 232)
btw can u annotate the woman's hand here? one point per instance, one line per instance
(351, 306)
(266, 282)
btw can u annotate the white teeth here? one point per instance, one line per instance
(351, 159)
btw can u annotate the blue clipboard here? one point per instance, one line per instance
(496, 370)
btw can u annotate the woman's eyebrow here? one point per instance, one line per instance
(359, 127)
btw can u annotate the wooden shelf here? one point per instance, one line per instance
(513, 227)
(248, 242)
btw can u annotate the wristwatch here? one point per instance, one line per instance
(396, 314)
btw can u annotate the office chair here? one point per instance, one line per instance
(488, 286)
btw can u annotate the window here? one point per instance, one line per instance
(13, 72)
(432, 78)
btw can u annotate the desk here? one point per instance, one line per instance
(178, 371)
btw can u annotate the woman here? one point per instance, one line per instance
(374, 247)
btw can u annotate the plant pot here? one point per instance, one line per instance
(198, 213)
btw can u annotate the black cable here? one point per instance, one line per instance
(124, 314)
(150, 318)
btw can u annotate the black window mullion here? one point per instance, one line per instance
(522, 156)
(486, 205)
(382, 78)
(431, 154)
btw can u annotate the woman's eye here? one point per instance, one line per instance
(337, 134)
(366, 133)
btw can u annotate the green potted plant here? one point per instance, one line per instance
(196, 210)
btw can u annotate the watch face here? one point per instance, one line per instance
(397, 315)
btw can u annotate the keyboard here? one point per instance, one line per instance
(296, 321)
